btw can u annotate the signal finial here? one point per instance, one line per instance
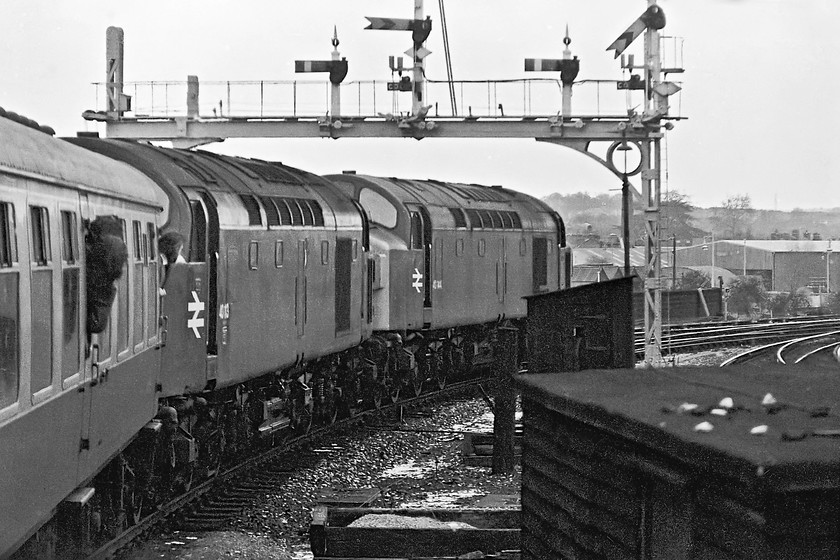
(335, 37)
(567, 53)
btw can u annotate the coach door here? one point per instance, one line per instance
(204, 248)
(421, 239)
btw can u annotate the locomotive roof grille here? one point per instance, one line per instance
(490, 219)
(270, 172)
(284, 211)
(253, 209)
(458, 215)
(271, 211)
(482, 194)
(185, 160)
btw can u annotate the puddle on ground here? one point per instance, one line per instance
(482, 424)
(444, 499)
(410, 470)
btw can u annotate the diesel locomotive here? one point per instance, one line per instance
(302, 299)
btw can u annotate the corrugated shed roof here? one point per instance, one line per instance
(778, 245)
(785, 246)
(611, 256)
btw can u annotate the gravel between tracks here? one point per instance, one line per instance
(411, 468)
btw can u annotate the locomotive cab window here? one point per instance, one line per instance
(416, 241)
(198, 235)
(9, 320)
(378, 208)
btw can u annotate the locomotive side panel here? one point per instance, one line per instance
(262, 303)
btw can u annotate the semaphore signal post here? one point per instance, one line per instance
(588, 132)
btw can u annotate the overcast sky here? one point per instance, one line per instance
(760, 87)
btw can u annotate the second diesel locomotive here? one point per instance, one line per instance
(303, 298)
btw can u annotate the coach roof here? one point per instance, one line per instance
(28, 152)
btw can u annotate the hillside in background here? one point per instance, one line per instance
(600, 215)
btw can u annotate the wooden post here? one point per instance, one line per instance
(506, 365)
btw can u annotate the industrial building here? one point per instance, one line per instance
(783, 265)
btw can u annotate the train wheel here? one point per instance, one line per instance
(301, 418)
(303, 423)
(418, 376)
(394, 392)
(417, 385)
(440, 380)
(331, 410)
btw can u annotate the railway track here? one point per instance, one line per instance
(821, 349)
(215, 501)
(697, 336)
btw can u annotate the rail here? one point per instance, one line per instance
(281, 99)
(695, 336)
(246, 467)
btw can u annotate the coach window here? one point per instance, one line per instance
(151, 283)
(378, 208)
(123, 316)
(137, 233)
(481, 247)
(325, 252)
(459, 247)
(523, 247)
(9, 358)
(41, 289)
(71, 290)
